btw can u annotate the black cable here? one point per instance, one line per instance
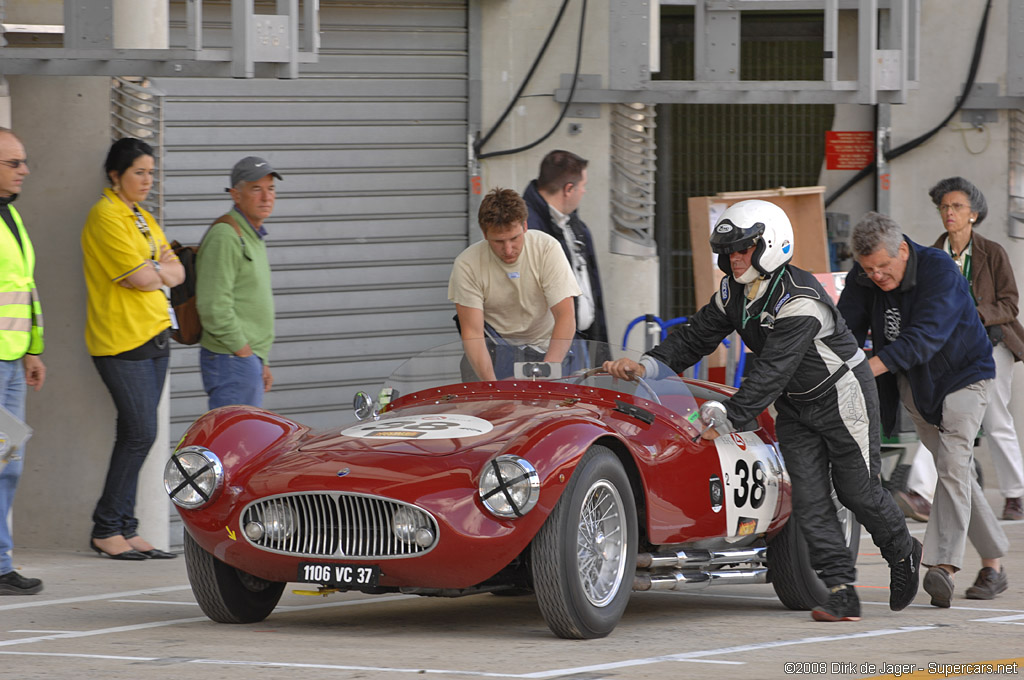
(869, 169)
(568, 102)
(536, 62)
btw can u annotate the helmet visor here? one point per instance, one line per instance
(730, 238)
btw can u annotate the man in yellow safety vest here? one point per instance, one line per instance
(21, 343)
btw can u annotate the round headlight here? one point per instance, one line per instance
(278, 521)
(412, 526)
(193, 477)
(509, 486)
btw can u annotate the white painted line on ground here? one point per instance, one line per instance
(1017, 620)
(187, 604)
(91, 598)
(699, 656)
(67, 655)
(102, 631)
(775, 598)
(173, 622)
(688, 656)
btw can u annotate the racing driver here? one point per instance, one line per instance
(810, 366)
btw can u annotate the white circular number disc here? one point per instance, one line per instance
(449, 426)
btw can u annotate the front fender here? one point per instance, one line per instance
(239, 434)
(554, 449)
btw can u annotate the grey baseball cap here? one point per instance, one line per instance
(250, 169)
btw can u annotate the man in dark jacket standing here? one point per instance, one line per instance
(931, 352)
(552, 201)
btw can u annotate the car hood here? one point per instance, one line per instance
(441, 429)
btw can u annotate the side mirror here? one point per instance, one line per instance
(363, 406)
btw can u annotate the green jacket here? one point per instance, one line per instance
(233, 294)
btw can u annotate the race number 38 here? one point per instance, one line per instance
(749, 484)
(751, 478)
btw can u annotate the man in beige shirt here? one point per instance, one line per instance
(516, 281)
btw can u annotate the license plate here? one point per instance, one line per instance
(361, 576)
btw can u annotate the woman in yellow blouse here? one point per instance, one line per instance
(127, 264)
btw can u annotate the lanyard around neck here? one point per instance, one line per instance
(140, 222)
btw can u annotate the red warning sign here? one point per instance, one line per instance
(849, 150)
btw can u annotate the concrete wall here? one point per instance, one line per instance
(948, 30)
(513, 33)
(64, 123)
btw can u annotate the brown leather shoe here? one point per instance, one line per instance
(1013, 509)
(988, 584)
(939, 584)
(913, 505)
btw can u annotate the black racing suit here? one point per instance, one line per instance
(808, 363)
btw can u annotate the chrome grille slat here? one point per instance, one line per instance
(341, 525)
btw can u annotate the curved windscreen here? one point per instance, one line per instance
(581, 364)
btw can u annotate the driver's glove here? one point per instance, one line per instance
(713, 413)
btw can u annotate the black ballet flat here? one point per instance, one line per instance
(133, 555)
(157, 554)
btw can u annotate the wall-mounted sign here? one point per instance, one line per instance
(849, 150)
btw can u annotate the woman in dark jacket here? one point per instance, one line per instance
(986, 265)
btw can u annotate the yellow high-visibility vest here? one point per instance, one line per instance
(21, 316)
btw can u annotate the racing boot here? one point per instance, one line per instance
(903, 578)
(843, 605)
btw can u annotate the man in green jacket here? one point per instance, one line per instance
(21, 342)
(233, 294)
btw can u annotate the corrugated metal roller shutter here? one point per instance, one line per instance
(373, 206)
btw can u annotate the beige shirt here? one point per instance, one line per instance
(516, 298)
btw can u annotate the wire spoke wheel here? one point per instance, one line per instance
(584, 557)
(600, 555)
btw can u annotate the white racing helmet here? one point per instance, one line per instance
(753, 223)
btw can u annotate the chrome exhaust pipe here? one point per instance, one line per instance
(699, 558)
(697, 580)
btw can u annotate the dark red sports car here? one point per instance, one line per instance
(557, 480)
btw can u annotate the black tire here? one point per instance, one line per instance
(586, 600)
(226, 594)
(789, 563)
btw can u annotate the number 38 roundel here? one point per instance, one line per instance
(751, 472)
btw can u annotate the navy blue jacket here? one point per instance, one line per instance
(540, 219)
(927, 328)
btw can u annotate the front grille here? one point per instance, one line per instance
(350, 526)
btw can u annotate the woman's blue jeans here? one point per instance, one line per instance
(135, 387)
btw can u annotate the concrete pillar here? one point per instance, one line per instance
(5, 103)
(141, 24)
(64, 123)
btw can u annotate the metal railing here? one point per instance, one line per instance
(656, 330)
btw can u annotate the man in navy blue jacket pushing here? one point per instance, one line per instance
(932, 353)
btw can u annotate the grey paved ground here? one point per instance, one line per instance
(98, 618)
